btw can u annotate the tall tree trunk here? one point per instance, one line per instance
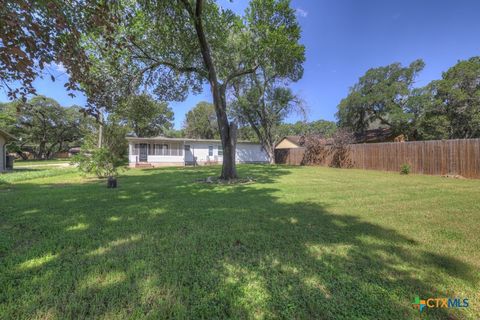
(228, 134)
(229, 169)
(228, 131)
(100, 129)
(271, 154)
(41, 150)
(22, 155)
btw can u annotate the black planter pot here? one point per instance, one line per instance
(112, 182)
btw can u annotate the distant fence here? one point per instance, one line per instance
(436, 157)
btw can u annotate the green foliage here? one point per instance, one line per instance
(100, 162)
(43, 127)
(262, 105)
(201, 122)
(114, 139)
(448, 108)
(459, 95)
(145, 116)
(322, 128)
(103, 161)
(427, 123)
(173, 133)
(405, 168)
(379, 96)
(247, 133)
(7, 116)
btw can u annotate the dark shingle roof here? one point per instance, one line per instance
(374, 135)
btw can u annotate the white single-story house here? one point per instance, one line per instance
(4, 138)
(162, 151)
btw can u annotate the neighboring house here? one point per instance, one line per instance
(4, 138)
(294, 142)
(162, 151)
(289, 142)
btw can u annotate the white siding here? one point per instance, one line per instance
(200, 151)
(169, 159)
(2, 154)
(246, 153)
(249, 152)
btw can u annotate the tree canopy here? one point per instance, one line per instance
(379, 97)
(263, 106)
(201, 122)
(35, 34)
(145, 116)
(322, 128)
(43, 126)
(458, 95)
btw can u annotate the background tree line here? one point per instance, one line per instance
(385, 97)
(43, 127)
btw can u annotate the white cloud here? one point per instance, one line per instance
(59, 67)
(301, 12)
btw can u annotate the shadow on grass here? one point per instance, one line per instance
(163, 246)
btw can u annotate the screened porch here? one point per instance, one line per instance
(157, 152)
(159, 149)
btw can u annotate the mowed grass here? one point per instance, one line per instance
(298, 243)
(24, 163)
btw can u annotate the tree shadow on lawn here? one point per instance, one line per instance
(163, 246)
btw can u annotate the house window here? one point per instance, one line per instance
(210, 151)
(187, 148)
(220, 150)
(165, 150)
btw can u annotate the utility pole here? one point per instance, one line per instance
(100, 129)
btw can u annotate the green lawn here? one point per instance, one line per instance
(23, 163)
(303, 242)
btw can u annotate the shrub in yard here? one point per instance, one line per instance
(318, 148)
(340, 149)
(405, 168)
(315, 149)
(100, 162)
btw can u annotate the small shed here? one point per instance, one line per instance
(4, 139)
(289, 142)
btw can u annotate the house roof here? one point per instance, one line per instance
(7, 135)
(161, 138)
(293, 139)
(300, 142)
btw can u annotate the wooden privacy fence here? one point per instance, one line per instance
(436, 157)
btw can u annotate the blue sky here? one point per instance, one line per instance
(344, 38)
